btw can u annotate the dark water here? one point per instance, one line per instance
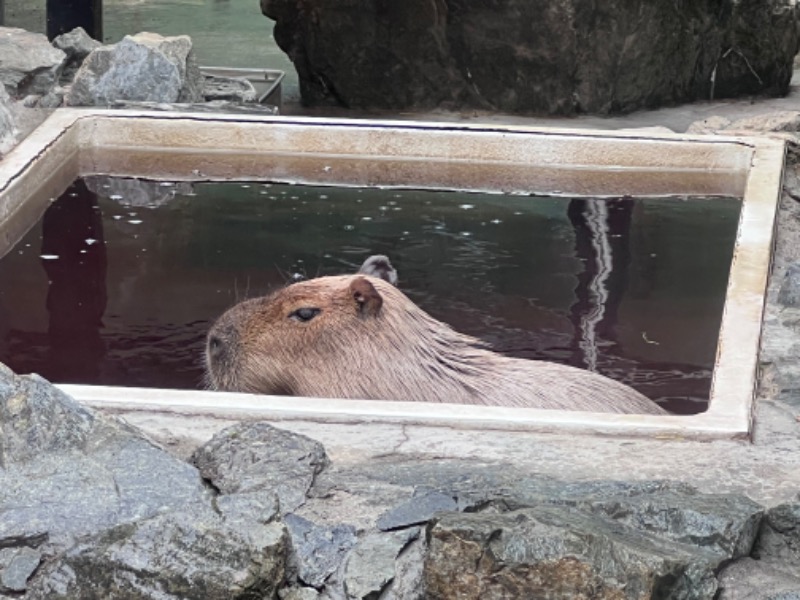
(120, 280)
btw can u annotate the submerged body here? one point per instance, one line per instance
(356, 336)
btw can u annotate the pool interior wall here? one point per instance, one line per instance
(412, 155)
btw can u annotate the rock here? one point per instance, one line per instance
(77, 45)
(565, 57)
(144, 67)
(419, 509)
(317, 550)
(559, 552)
(192, 554)
(8, 127)
(779, 538)
(16, 567)
(370, 567)
(115, 515)
(749, 579)
(256, 456)
(28, 63)
(789, 294)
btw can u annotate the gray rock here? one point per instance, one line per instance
(419, 509)
(370, 567)
(318, 550)
(144, 67)
(789, 294)
(8, 127)
(77, 45)
(749, 579)
(28, 63)
(779, 538)
(117, 516)
(569, 56)
(16, 567)
(256, 456)
(562, 553)
(234, 89)
(196, 554)
(99, 471)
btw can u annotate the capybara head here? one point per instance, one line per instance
(308, 338)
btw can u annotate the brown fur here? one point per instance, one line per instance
(370, 341)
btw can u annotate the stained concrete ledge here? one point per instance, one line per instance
(494, 159)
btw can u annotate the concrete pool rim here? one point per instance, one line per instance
(70, 136)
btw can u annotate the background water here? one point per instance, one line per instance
(122, 278)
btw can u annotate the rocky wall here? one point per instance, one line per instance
(535, 56)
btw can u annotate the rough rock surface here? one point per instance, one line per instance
(77, 45)
(28, 63)
(569, 56)
(89, 508)
(8, 127)
(144, 67)
(256, 456)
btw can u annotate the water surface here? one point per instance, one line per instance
(121, 279)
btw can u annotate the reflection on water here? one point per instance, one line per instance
(630, 288)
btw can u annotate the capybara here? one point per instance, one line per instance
(358, 336)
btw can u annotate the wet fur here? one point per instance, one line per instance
(396, 351)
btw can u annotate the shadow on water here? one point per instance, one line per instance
(628, 287)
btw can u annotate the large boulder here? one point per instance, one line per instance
(28, 63)
(539, 56)
(144, 67)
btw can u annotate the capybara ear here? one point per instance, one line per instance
(367, 298)
(379, 265)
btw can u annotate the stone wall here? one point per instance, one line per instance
(535, 56)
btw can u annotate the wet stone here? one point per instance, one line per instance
(256, 456)
(318, 550)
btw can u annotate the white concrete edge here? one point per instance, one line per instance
(228, 405)
(731, 405)
(735, 375)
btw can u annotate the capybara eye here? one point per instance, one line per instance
(304, 314)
